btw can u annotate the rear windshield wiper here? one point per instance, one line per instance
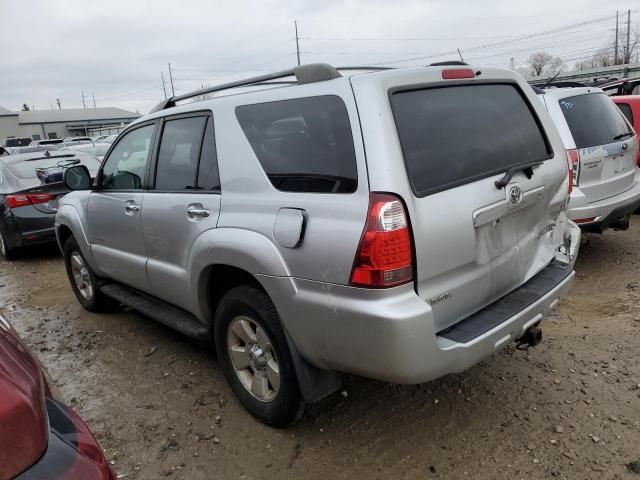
(623, 135)
(526, 168)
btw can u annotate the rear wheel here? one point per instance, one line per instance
(83, 281)
(7, 252)
(255, 358)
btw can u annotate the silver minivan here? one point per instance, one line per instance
(398, 224)
(602, 148)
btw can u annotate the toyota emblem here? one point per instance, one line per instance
(515, 195)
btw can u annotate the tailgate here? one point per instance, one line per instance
(475, 241)
(606, 145)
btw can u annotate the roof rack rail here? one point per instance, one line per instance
(448, 63)
(310, 73)
(374, 68)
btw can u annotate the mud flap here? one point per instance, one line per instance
(315, 383)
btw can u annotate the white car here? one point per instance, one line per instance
(602, 149)
(98, 150)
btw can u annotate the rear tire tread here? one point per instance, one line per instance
(247, 300)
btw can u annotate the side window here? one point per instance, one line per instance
(304, 144)
(625, 108)
(179, 153)
(208, 177)
(126, 166)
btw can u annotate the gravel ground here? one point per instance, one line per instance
(160, 406)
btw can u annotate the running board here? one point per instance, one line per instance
(163, 312)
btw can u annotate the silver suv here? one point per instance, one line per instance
(602, 148)
(400, 224)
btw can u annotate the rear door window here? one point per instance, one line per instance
(304, 144)
(179, 153)
(456, 135)
(593, 119)
(625, 108)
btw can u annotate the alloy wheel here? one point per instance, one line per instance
(81, 276)
(253, 359)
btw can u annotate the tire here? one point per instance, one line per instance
(89, 296)
(274, 399)
(7, 252)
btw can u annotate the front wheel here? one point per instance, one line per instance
(83, 281)
(255, 358)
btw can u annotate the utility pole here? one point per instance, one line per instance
(628, 53)
(460, 55)
(615, 48)
(58, 102)
(83, 104)
(295, 23)
(163, 87)
(94, 99)
(173, 92)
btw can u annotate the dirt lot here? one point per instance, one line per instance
(160, 406)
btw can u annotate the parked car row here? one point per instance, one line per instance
(398, 224)
(603, 150)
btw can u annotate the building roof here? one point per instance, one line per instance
(6, 111)
(74, 115)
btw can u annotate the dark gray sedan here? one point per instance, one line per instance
(30, 187)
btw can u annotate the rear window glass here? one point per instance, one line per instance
(27, 168)
(593, 119)
(456, 135)
(625, 108)
(303, 145)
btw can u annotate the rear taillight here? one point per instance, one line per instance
(573, 157)
(21, 200)
(456, 73)
(385, 253)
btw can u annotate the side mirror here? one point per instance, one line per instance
(77, 178)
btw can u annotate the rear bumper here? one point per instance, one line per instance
(604, 214)
(26, 231)
(389, 334)
(72, 451)
(37, 237)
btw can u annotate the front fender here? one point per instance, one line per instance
(68, 216)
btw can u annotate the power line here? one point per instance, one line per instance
(238, 59)
(506, 42)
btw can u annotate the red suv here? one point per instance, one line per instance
(40, 437)
(629, 105)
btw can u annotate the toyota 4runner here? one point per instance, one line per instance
(399, 224)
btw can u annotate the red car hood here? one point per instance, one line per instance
(23, 419)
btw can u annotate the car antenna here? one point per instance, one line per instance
(553, 78)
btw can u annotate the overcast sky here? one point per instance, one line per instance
(117, 49)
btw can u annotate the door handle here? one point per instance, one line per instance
(131, 208)
(197, 212)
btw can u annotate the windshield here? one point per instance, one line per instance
(27, 168)
(593, 120)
